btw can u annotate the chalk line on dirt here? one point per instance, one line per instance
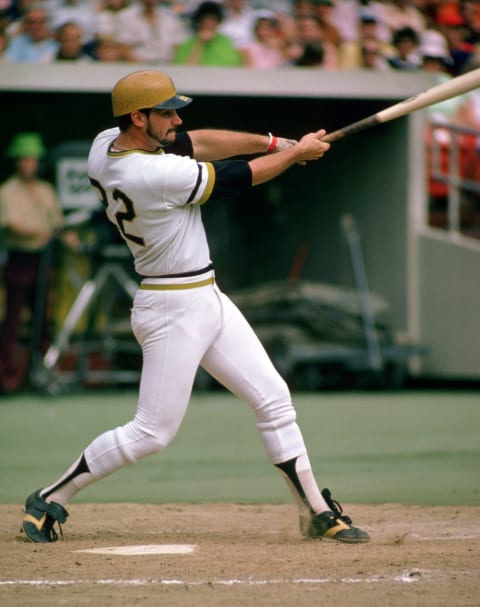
(147, 549)
(406, 577)
(466, 536)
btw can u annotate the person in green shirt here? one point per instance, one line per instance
(207, 46)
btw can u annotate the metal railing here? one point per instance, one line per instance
(453, 159)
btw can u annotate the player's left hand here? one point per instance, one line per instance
(284, 144)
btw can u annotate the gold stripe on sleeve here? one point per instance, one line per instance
(210, 183)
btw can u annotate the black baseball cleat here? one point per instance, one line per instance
(40, 516)
(332, 524)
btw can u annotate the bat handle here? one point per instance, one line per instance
(355, 127)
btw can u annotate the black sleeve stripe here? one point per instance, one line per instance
(193, 193)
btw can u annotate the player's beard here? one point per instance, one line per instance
(162, 141)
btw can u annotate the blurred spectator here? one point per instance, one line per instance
(402, 13)
(310, 49)
(345, 19)
(429, 9)
(435, 54)
(269, 49)
(436, 58)
(30, 215)
(406, 43)
(446, 10)
(350, 51)
(287, 19)
(108, 20)
(277, 6)
(70, 43)
(207, 46)
(108, 49)
(323, 10)
(372, 56)
(453, 27)
(238, 22)
(302, 8)
(346, 14)
(470, 12)
(181, 8)
(81, 12)
(152, 31)
(32, 41)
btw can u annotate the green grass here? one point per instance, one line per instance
(407, 447)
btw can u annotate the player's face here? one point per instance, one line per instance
(161, 126)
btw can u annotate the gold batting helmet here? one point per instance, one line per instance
(146, 89)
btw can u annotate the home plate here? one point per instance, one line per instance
(143, 550)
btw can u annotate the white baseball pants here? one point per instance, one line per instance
(181, 324)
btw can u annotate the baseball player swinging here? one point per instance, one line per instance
(152, 182)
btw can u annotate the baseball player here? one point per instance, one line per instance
(152, 182)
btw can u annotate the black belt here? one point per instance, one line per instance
(184, 274)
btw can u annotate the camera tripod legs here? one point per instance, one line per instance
(44, 376)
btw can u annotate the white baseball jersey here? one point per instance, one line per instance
(153, 198)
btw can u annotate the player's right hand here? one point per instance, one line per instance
(311, 146)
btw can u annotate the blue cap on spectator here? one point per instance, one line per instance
(366, 15)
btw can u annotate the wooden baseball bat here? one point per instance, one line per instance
(441, 92)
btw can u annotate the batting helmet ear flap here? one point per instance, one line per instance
(146, 89)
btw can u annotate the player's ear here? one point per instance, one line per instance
(138, 117)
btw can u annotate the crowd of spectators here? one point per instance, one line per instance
(329, 34)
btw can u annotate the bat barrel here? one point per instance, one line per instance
(446, 90)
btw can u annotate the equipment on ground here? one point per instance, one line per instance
(321, 335)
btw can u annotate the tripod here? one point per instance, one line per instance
(45, 375)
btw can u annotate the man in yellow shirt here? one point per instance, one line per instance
(29, 216)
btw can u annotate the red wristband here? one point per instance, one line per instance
(272, 143)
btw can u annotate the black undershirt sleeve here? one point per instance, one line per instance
(182, 146)
(232, 177)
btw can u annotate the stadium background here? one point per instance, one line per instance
(426, 276)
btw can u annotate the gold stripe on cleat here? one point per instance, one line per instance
(28, 518)
(332, 532)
